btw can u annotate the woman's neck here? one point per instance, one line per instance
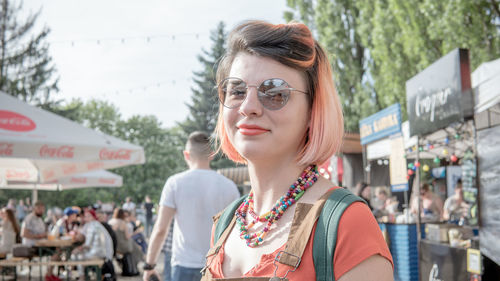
(270, 181)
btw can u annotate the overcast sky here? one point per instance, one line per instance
(101, 48)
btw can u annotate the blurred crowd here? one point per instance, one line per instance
(100, 230)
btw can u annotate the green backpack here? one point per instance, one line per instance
(325, 237)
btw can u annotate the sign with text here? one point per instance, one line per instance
(440, 94)
(381, 124)
(397, 165)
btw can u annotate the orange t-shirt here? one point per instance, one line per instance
(358, 238)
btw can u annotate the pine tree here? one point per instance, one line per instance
(204, 103)
(204, 106)
(26, 69)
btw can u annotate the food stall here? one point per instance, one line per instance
(486, 86)
(385, 165)
(440, 111)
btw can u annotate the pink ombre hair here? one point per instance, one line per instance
(292, 45)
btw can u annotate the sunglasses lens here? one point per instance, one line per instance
(232, 92)
(274, 93)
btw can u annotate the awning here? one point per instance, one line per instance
(239, 175)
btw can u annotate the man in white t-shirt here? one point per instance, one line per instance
(129, 205)
(33, 227)
(192, 198)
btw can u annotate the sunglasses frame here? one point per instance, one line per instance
(260, 94)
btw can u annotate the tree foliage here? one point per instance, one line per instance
(334, 23)
(204, 102)
(383, 43)
(204, 106)
(404, 37)
(26, 68)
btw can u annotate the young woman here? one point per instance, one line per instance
(10, 230)
(281, 116)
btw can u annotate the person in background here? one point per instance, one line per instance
(11, 204)
(148, 207)
(192, 197)
(65, 224)
(10, 231)
(29, 208)
(98, 243)
(52, 216)
(455, 208)
(167, 254)
(125, 244)
(280, 115)
(33, 227)
(129, 205)
(137, 230)
(364, 191)
(102, 217)
(21, 210)
(63, 227)
(432, 205)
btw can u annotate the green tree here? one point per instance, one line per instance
(204, 104)
(381, 44)
(404, 37)
(334, 23)
(26, 68)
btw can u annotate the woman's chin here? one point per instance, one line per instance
(254, 154)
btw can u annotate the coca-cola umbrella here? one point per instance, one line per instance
(99, 178)
(46, 146)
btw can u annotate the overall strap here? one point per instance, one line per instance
(303, 222)
(325, 237)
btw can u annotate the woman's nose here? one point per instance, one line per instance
(251, 105)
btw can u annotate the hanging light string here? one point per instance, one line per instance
(125, 39)
(443, 145)
(19, 47)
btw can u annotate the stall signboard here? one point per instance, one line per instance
(440, 94)
(397, 165)
(381, 124)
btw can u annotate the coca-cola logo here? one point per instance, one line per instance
(48, 174)
(17, 174)
(107, 181)
(64, 151)
(69, 169)
(6, 149)
(94, 165)
(13, 121)
(120, 154)
(78, 180)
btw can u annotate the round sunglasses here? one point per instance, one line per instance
(272, 93)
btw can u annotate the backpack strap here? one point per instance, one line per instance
(224, 222)
(225, 217)
(325, 237)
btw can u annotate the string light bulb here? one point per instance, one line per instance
(426, 168)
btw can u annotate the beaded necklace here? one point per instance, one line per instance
(308, 177)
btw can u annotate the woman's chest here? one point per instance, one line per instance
(240, 259)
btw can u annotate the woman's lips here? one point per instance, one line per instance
(248, 130)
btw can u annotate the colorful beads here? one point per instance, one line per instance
(308, 177)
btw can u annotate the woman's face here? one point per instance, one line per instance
(258, 133)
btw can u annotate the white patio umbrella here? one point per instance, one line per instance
(44, 146)
(99, 178)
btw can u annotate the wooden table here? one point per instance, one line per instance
(48, 247)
